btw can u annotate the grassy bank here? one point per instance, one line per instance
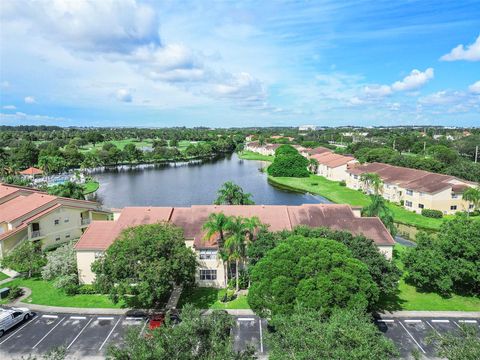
(409, 298)
(44, 293)
(250, 155)
(343, 195)
(210, 298)
(3, 276)
(91, 187)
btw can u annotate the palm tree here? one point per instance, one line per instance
(313, 165)
(378, 207)
(372, 180)
(68, 189)
(472, 195)
(216, 223)
(250, 226)
(232, 194)
(235, 243)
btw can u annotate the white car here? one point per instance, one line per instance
(11, 317)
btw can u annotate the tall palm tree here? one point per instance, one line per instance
(232, 194)
(235, 244)
(472, 195)
(313, 165)
(372, 180)
(216, 224)
(250, 227)
(378, 207)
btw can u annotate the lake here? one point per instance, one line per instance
(190, 184)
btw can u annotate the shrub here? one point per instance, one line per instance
(342, 183)
(436, 214)
(229, 295)
(243, 280)
(15, 292)
(314, 184)
(87, 289)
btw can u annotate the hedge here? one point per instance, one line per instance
(436, 214)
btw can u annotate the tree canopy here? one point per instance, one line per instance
(143, 263)
(345, 334)
(450, 262)
(316, 273)
(288, 162)
(232, 194)
(26, 258)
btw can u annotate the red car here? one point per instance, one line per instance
(156, 320)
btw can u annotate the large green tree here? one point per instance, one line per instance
(27, 258)
(450, 262)
(143, 263)
(462, 344)
(378, 207)
(472, 195)
(316, 273)
(289, 163)
(68, 189)
(196, 337)
(345, 334)
(232, 194)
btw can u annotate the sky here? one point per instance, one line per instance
(238, 64)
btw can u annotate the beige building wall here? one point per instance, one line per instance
(8, 244)
(84, 263)
(386, 250)
(216, 264)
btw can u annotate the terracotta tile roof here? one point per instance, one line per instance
(6, 190)
(278, 217)
(332, 160)
(319, 150)
(31, 171)
(22, 205)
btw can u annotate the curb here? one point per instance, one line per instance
(432, 314)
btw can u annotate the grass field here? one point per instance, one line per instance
(3, 276)
(119, 143)
(210, 298)
(343, 195)
(250, 155)
(44, 293)
(409, 298)
(91, 187)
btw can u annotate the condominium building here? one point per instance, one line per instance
(101, 234)
(31, 215)
(417, 189)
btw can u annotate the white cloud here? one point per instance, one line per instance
(9, 107)
(21, 117)
(414, 80)
(475, 87)
(470, 52)
(5, 84)
(242, 86)
(377, 90)
(123, 95)
(29, 100)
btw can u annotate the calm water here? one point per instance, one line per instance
(190, 184)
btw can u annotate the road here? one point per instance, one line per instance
(89, 336)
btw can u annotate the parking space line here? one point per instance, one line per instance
(261, 335)
(246, 319)
(76, 337)
(439, 321)
(78, 317)
(386, 320)
(468, 321)
(456, 324)
(408, 332)
(20, 328)
(105, 318)
(143, 328)
(50, 316)
(109, 334)
(412, 321)
(433, 328)
(39, 341)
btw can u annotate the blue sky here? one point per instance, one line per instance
(251, 63)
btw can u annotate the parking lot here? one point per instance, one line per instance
(410, 335)
(89, 336)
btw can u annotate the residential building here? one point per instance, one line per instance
(266, 149)
(333, 166)
(308, 128)
(101, 234)
(417, 189)
(31, 215)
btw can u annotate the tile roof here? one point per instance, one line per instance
(101, 234)
(332, 160)
(22, 205)
(6, 190)
(31, 171)
(319, 150)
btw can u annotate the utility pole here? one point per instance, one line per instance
(424, 148)
(476, 154)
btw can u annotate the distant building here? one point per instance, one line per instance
(31, 173)
(308, 127)
(211, 272)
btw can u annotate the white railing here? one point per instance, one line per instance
(36, 234)
(85, 221)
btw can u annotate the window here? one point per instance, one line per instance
(57, 238)
(408, 203)
(420, 206)
(207, 274)
(56, 222)
(470, 206)
(67, 236)
(17, 314)
(66, 220)
(409, 192)
(355, 177)
(98, 255)
(453, 207)
(208, 254)
(454, 196)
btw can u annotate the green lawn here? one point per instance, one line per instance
(250, 155)
(119, 143)
(3, 276)
(91, 187)
(409, 298)
(343, 195)
(44, 293)
(210, 298)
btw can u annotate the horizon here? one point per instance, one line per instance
(223, 65)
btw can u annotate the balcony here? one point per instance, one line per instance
(85, 222)
(36, 234)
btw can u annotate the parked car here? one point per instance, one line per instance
(11, 317)
(157, 319)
